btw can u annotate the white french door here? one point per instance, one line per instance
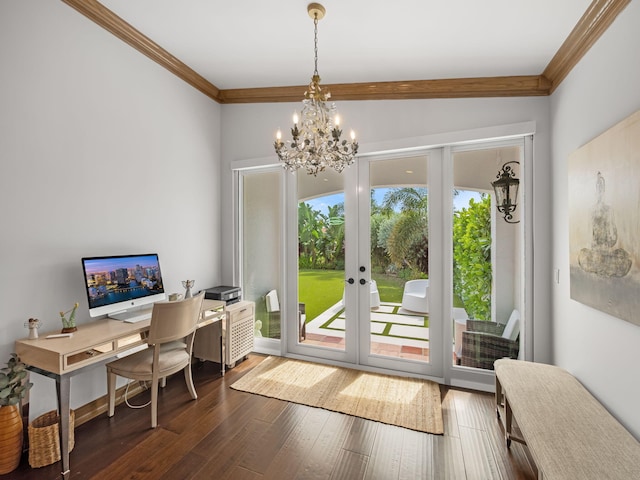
(322, 237)
(403, 331)
(349, 293)
(365, 322)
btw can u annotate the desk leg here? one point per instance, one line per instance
(221, 351)
(63, 391)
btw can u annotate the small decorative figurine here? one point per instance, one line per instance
(33, 324)
(257, 332)
(187, 284)
(69, 325)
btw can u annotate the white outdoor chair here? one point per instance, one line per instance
(416, 296)
(375, 295)
(374, 299)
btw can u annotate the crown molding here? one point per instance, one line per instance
(594, 22)
(531, 85)
(101, 15)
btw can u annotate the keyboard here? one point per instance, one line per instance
(138, 318)
(132, 316)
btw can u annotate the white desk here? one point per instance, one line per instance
(93, 344)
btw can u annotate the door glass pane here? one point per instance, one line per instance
(261, 248)
(485, 276)
(321, 259)
(399, 297)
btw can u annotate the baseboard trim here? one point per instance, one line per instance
(100, 405)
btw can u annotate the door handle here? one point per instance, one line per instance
(362, 268)
(362, 281)
(351, 281)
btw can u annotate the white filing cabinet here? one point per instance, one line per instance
(240, 328)
(230, 339)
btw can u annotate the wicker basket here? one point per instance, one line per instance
(44, 440)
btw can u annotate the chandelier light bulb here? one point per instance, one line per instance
(295, 118)
(279, 136)
(353, 135)
(336, 121)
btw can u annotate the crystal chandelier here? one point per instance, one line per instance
(316, 142)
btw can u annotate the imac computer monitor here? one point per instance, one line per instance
(117, 285)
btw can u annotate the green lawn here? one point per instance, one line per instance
(320, 289)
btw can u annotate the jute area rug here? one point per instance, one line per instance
(405, 402)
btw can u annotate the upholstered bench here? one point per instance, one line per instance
(569, 433)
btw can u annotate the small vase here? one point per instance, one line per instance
(10, 438)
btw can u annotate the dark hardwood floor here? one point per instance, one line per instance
(227, 434)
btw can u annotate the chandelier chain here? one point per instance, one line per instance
(315, 43)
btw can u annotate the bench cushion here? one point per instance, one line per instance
(569, 433)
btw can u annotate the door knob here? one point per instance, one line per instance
(351, 281)
(362, 281)
(362, 269)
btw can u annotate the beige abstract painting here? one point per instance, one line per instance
(604, 221)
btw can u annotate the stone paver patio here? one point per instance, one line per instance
(406, 334)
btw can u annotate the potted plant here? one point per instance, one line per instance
(69, 324)
(13, 388)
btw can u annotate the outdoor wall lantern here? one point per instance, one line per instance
(506, 189)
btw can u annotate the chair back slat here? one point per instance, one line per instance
(174, 320)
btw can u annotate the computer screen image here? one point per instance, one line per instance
(120, 283)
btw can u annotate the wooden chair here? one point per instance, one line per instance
(170, 340)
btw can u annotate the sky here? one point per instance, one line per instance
(110, 264)
(322, 203)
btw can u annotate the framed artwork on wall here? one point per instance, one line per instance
(604, 221)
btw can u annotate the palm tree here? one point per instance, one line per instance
(408, 243)
(310, 223)
(321, 237)
(334, 234)
(406, 199)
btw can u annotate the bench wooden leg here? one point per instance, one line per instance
(498, 397)
(508, 421)
(502, 401)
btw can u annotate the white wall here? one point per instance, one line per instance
(102, 152)
(249, 132)
(602, 351)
